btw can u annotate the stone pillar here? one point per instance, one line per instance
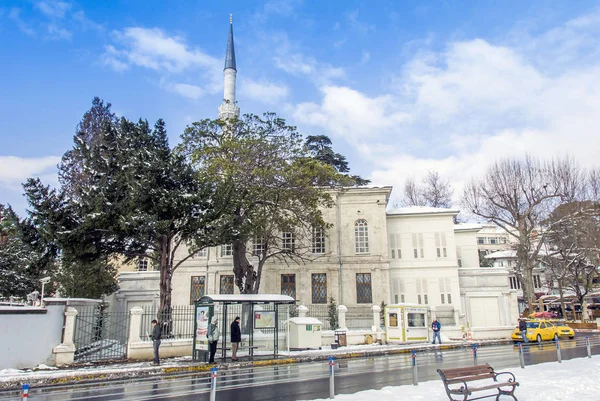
(376, 320)
(302, 310)
(64, 354)
(342, 317)
(135, 323)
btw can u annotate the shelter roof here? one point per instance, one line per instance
(251, 298)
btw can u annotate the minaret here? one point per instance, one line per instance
(229, 108)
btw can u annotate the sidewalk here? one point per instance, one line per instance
(48, 376)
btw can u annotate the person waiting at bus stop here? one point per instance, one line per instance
(236, 337)
(213, 338)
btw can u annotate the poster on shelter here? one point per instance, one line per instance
(202, 321)
(264, 320)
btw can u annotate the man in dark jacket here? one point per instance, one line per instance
(436, 326)
(156, 333)
(236, 337)
(523, 329)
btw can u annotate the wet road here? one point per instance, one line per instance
(308, 381)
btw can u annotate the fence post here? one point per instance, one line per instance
(342, 309)
(25, 393)
(331, 378)
(415, 371)
(475, 354)
(587, 345)
(376, 318)
(521, 358)
(64, 354)
(558, 355)
(213, 384)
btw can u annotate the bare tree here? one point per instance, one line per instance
(518, 195)
(432, 191)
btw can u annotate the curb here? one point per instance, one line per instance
(201, 369)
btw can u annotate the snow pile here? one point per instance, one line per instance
(572, 380)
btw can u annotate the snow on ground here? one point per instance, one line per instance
(572, 380)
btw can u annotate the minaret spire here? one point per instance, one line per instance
(229, 108)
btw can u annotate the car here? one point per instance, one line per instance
(537, 330)
(564, 330)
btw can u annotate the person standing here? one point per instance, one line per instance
(213, 338)
(436, 327)
(236, 337)
(523, 329)
(156, 334)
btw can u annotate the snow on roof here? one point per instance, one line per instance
(251, 298)
(411, 210)
(509, 253)
(467, 227)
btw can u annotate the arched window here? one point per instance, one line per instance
(361, 236)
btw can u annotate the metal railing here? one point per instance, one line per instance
(178, 324)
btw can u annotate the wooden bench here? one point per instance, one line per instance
(463, 382)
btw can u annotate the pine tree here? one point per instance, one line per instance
(136, 198)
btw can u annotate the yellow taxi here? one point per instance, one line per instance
(563, 330)
(537, 330)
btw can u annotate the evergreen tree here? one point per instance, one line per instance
(21, 262)
(275, 206)
(138, 199)
(320, 148)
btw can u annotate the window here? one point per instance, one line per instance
(361, 234)
(515, 284)
(422, 291)
(459, 262)
(142, 265)
(396, 246)
(226, 250)
(318, 240)
(445, 289)
(493, 240)
(363, 288)
(201, 253)
(440, 245)
(480, 240)
(415, 319)
(258, 246)
(393, 319)
(226, 285)
(417, 242)
(288, 241)
(398, 290)
(319, 288)
(197, 288)
(288, 285)
(537, 282)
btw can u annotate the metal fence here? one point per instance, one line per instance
(178, 324)
(100, 334)
(321, 312)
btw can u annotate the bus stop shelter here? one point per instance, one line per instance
(257, 312)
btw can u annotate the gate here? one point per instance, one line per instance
(100, 334)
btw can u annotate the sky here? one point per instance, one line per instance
(401, 87)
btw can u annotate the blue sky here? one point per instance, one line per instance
(400, 86)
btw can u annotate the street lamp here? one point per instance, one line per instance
(44, 281)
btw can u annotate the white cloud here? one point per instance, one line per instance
(299, 64)
(16, 170)
(54, 9)
(264, 91)
(366, 56)
(154, 49)
(458, 110)
(57, 32)
(357, 24)
(186, 90)
(15, 15)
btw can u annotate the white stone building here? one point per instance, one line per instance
(369, 256)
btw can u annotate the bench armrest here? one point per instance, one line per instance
(510, 380)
